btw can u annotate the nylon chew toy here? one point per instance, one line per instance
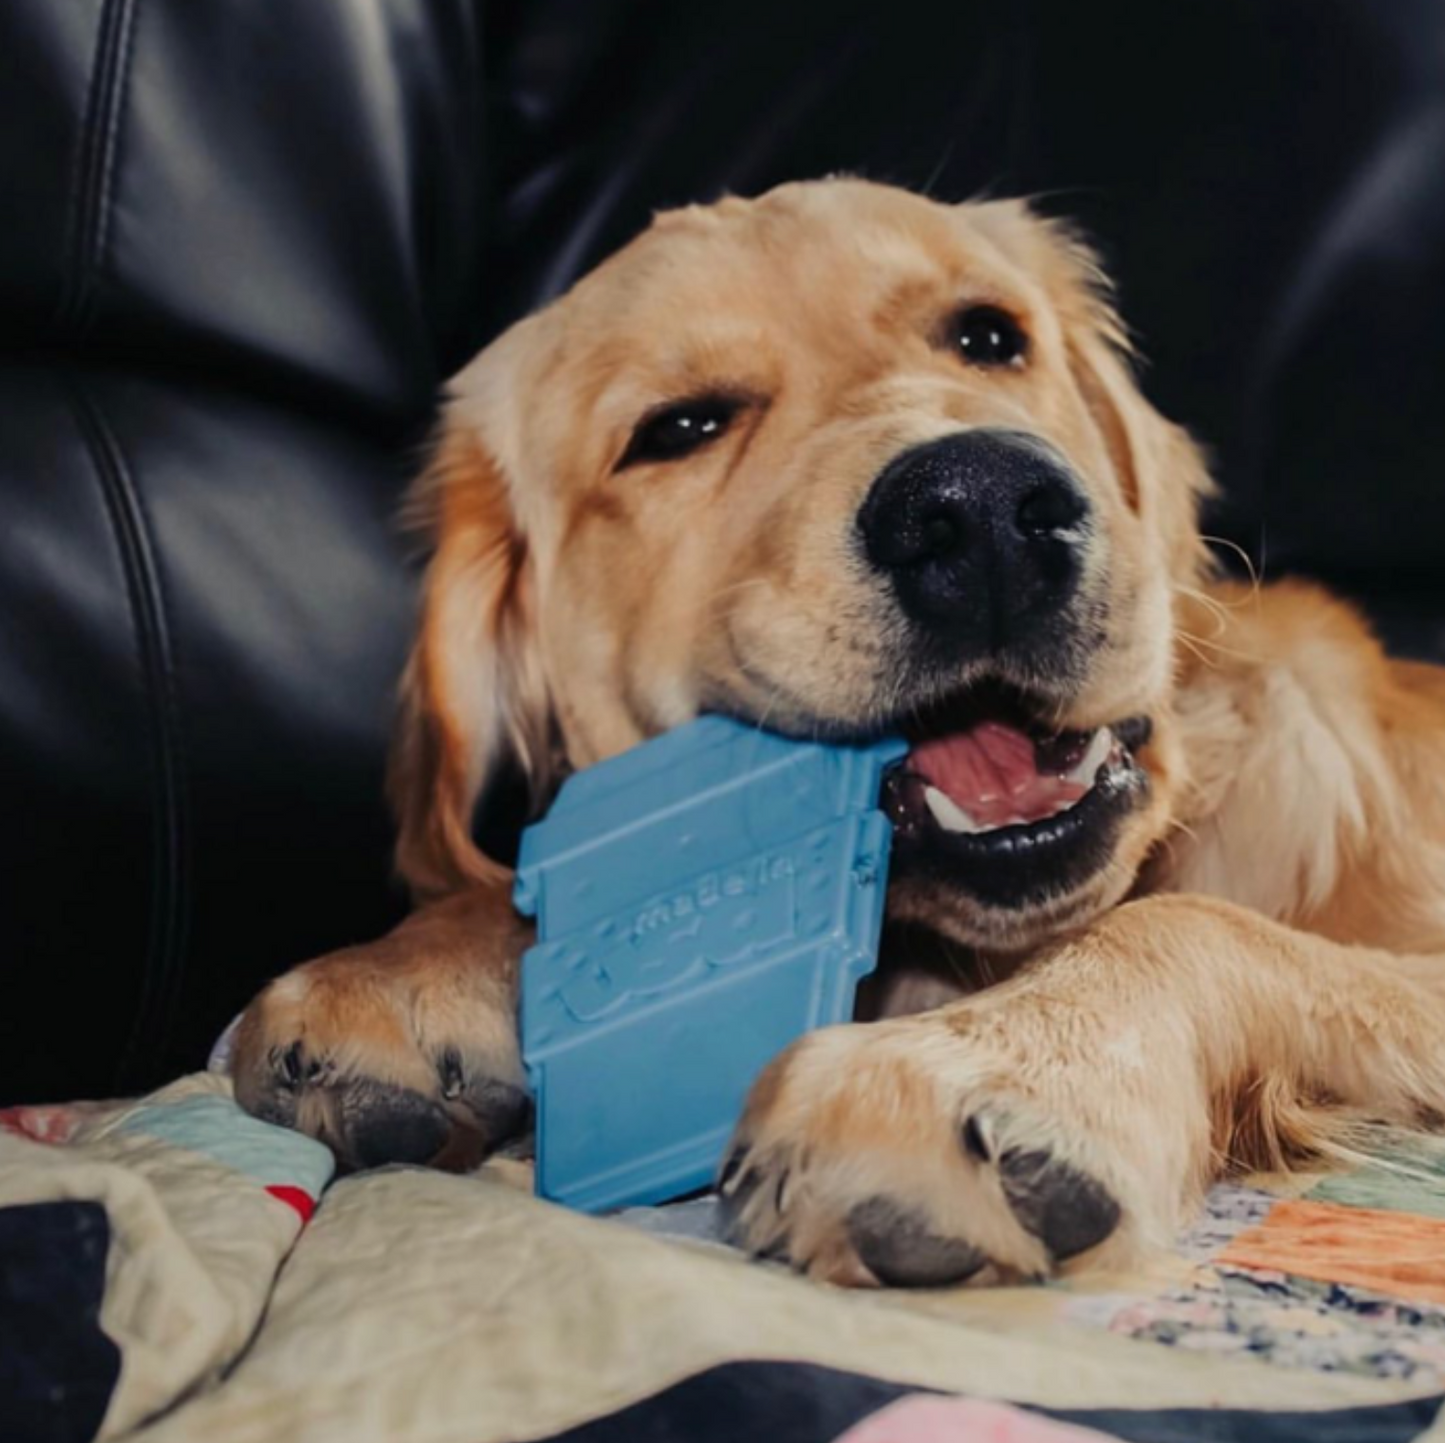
(701, 901)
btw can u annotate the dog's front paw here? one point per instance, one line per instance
(910, 1154)
(401, 1051)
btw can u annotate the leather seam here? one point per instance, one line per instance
(168, 920)
(93, 177)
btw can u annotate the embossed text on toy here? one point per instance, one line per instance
(719, 920)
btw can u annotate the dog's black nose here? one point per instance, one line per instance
(981, 534)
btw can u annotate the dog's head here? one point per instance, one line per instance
(840, 460)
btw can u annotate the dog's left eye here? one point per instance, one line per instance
(988, 336)
(678, 430)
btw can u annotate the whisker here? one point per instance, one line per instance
(1194, 642)
(1188, 641)
(723, 593)
(983, 970)
(1215, 609)
(1256, 576)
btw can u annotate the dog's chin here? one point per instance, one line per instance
(1008, 830)
(939, 903)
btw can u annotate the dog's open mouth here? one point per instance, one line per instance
(1012, 808)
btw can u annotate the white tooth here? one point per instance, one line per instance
(1094, 758)
(947, 813)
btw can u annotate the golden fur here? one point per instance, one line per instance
(1250, 971)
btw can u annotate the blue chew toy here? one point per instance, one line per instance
(701, 901)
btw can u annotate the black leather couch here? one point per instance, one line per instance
(244, 243)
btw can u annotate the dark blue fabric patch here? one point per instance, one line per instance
(805, 1403)
(57, 1369)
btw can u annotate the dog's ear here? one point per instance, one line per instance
(473, 692)
(1161, 468)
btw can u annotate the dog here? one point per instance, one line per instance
(1168, 891)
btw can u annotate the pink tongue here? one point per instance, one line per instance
(991, 772)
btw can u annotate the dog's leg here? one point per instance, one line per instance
(1071, 1115)
(403, 1050)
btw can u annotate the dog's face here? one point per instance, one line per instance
(841, 460)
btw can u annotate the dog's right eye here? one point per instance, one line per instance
(678, 429)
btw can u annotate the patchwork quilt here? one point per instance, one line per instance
(172, 1269)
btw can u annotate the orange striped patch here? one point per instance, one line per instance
(1400, 1254)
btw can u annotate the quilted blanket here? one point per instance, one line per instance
(174, 1269)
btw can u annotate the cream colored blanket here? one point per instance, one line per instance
(415, 1305)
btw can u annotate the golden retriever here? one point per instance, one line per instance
(842, 459)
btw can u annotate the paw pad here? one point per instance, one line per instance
(1067, 1210)
(895, 1244)
(381, 1123)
